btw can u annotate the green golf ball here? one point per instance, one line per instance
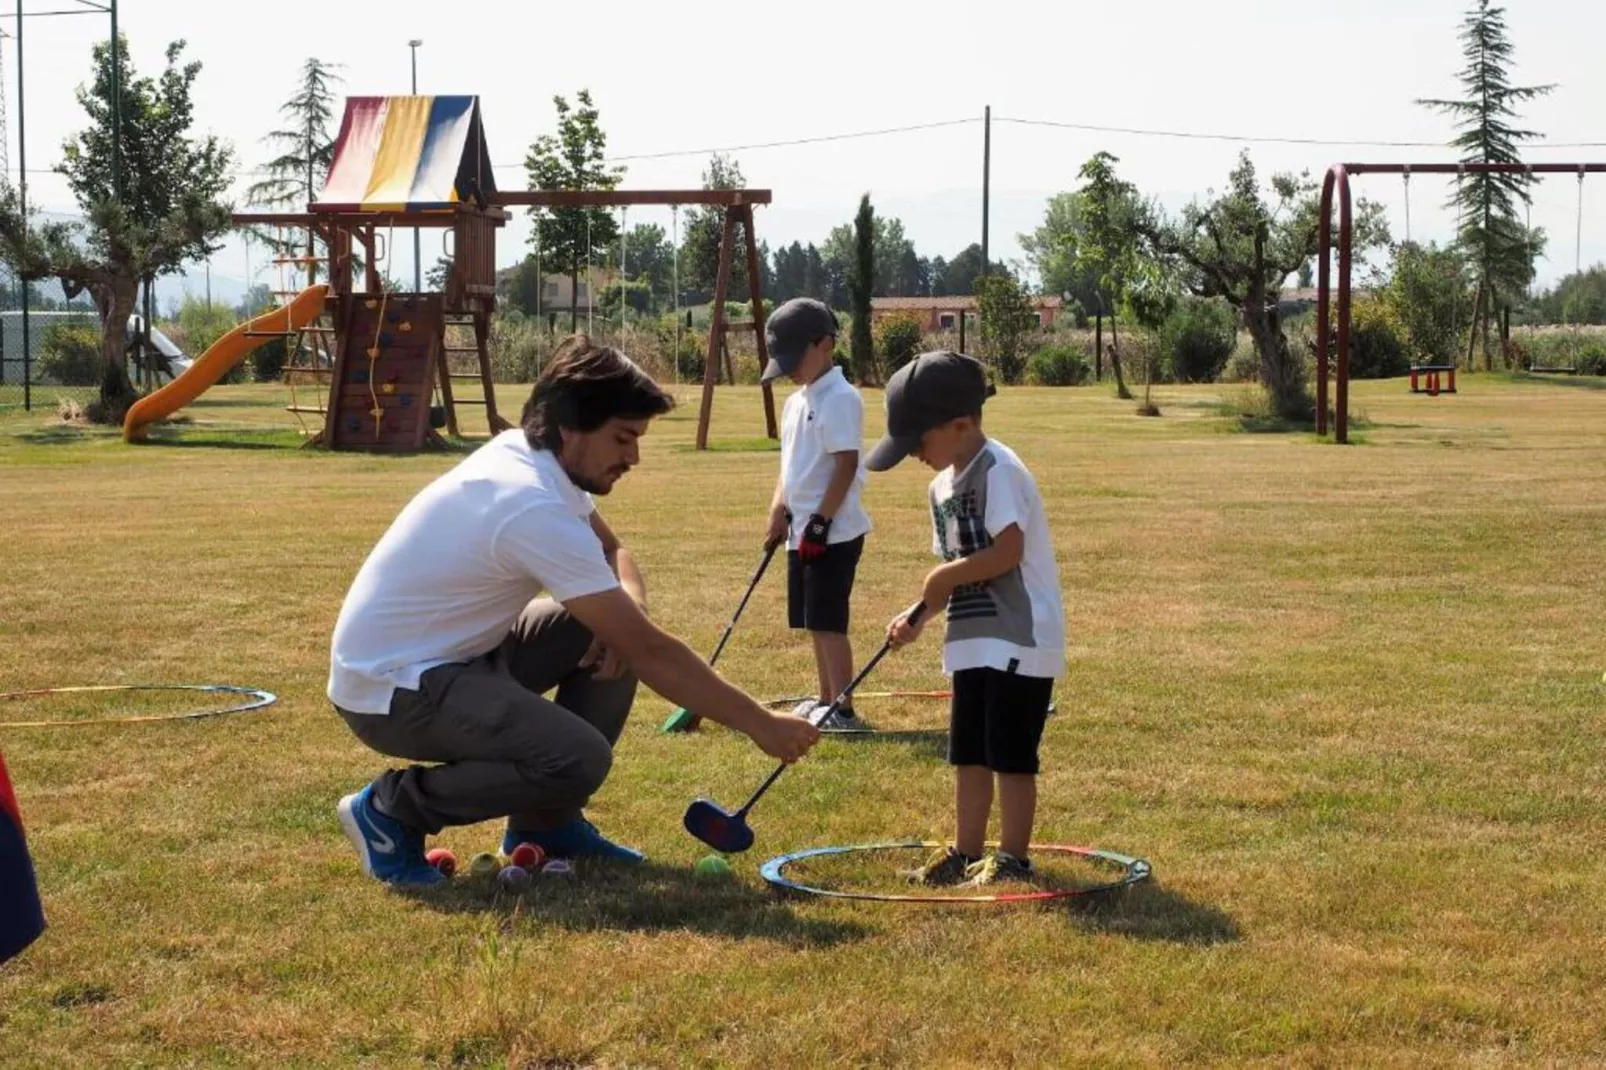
(712, 867)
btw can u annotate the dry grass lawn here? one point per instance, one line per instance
(1347, 701)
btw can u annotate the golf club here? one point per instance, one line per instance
(728, 831)
(682, 719)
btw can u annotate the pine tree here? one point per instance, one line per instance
(861, 285)
(699, 256)
(304, 149)
(1498, 243)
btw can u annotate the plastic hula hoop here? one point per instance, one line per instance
(252, 699)
(1134, 870)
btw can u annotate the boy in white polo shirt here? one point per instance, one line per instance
(817, 507)
(1006, 628)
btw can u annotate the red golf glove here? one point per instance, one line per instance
(816, 537)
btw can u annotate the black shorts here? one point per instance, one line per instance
(817, 594)
(996, 719)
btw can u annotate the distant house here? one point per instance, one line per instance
(1295, 300)
(555, 289)
(942, 313)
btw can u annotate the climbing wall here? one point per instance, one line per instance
(381, 397)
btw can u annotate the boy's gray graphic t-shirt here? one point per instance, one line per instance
(1014, 622)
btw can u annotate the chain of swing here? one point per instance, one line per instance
(1527, 237)
(624, 243)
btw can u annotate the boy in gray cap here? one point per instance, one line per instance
(816, 508)
(1006, 631)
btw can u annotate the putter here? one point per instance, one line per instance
(792, 700)
(728, 831)
(682, 719)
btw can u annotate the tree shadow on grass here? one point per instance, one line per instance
(1576, 382)
(642, 898)
(1148, 911)
(227, 440)
(215, 402)
(66, 434)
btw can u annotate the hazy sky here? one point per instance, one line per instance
(689, 76)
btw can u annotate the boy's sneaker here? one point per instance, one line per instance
(843, 720)
(805, 710)
(947, 866)
(390, 851)
(998, 867)
(573, 840)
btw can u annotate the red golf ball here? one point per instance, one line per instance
(528, 856)
(443, 860)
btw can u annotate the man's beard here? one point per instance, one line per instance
(590, 486)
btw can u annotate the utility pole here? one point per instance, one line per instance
(418, 245)
(986, 182)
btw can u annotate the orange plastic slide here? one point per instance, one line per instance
(222, 356)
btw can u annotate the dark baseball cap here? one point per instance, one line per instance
(925, 393)
(791, 329)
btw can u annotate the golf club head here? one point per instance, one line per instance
(682, 720)
(720, 829)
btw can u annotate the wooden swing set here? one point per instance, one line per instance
(1336, 183)
(421, 162)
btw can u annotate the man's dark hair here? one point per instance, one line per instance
(583, 388)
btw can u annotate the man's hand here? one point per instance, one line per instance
(603, 662)
(816, 539)
(780, 526)
(907, 626)
(784, 737)
(669, 667)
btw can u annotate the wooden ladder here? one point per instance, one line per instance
(316, 339)
(479, 324)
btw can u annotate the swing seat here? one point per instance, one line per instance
(1432, 372)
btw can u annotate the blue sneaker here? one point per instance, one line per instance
(579, 837)
(390, 851)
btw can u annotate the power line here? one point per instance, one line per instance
(87, 9)
(257, 172)
(1268, 139)
(795, 141)
(1261, 138)
(1193, 136)
(1014, 120)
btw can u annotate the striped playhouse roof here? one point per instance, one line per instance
(414, 154)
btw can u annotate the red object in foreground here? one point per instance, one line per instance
(528, 856)
(443, 860)
(22, 918)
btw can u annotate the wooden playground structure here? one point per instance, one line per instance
(421, 162)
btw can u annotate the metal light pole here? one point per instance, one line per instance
(117, 106)
(22, 193)
(89, 7)
(418, 248)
